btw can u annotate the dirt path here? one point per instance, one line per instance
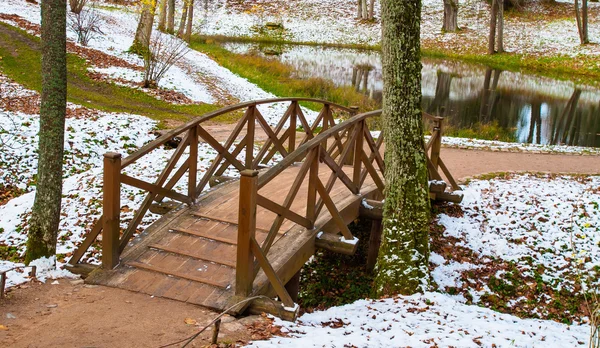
(76, 315)
(70, 314)
(468, 163)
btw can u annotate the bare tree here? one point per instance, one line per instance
(164, 51)
(144, 28)
(190, 20)
(171, 16)
(183, 20)
(366, 10)
(450, 16)
(493, 22)
(582, 21)
(86, 24)
(162, 15)
(77, 5)
(500, 27)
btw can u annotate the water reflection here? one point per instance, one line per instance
(476, 100)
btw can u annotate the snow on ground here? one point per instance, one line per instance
(423, 320)
(537, 222)
(188, 76)
(548, 222)
(493, 145)
(46, 269)
(334, 22)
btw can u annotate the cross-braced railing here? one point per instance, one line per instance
(347, 152)
(280, 140)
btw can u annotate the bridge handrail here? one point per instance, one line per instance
(210, 115)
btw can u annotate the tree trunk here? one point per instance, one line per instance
(141, 43)
(190, 21)
(365, 10)
(402, 264)
(162, 17)
(45, 215)
(579, 24)
(181, 30)
(171, 16)
(500, 36)
(359, 13)
(372, 10)
(492, 37)
(450, 16)
(584, 22)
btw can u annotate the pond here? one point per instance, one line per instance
(477, 101)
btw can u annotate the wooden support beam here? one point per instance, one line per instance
(336, 243)
(276, 308)
(111, 204)
(374, 244)
(293, 287)
(244, 275)
(371, 209)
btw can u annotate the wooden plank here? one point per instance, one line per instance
(181, 275)
(218, 260)
(127, 180)
(334, 242)
(203, 234)
(333, 211)
(271, 275)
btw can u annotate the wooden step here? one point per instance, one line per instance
(205, 235)
(140, 265)
(208, 258)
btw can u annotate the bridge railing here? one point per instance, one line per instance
(281, 140)
(349, 144)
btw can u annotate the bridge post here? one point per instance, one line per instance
(437, 143)
(111, 205)
(358, 150)
(244, 271)
(193, 162)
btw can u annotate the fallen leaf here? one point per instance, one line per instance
(190, 321)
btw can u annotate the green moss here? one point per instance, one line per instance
(20, 61)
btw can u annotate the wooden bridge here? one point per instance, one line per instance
(251, 236)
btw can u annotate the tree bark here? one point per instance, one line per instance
(182, 22)
(171, 16)
(359, 10)
(45, 216)
(143, 33)
(190, 21)
(450, 16)
(162, 16)
(372, 9)
(492, 37)
(500, 36)
(402, 265)
(584, 21)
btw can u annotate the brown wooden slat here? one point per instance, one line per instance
(205, 235)
(181, 275)
(219, 260)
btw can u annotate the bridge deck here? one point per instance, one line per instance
(190, 254)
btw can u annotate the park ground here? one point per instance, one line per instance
(511, 265)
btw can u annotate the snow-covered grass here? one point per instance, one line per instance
(334, 22)
(545, 230)
(423, 320)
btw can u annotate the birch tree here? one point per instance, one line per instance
(402, 264)
(45, 215)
